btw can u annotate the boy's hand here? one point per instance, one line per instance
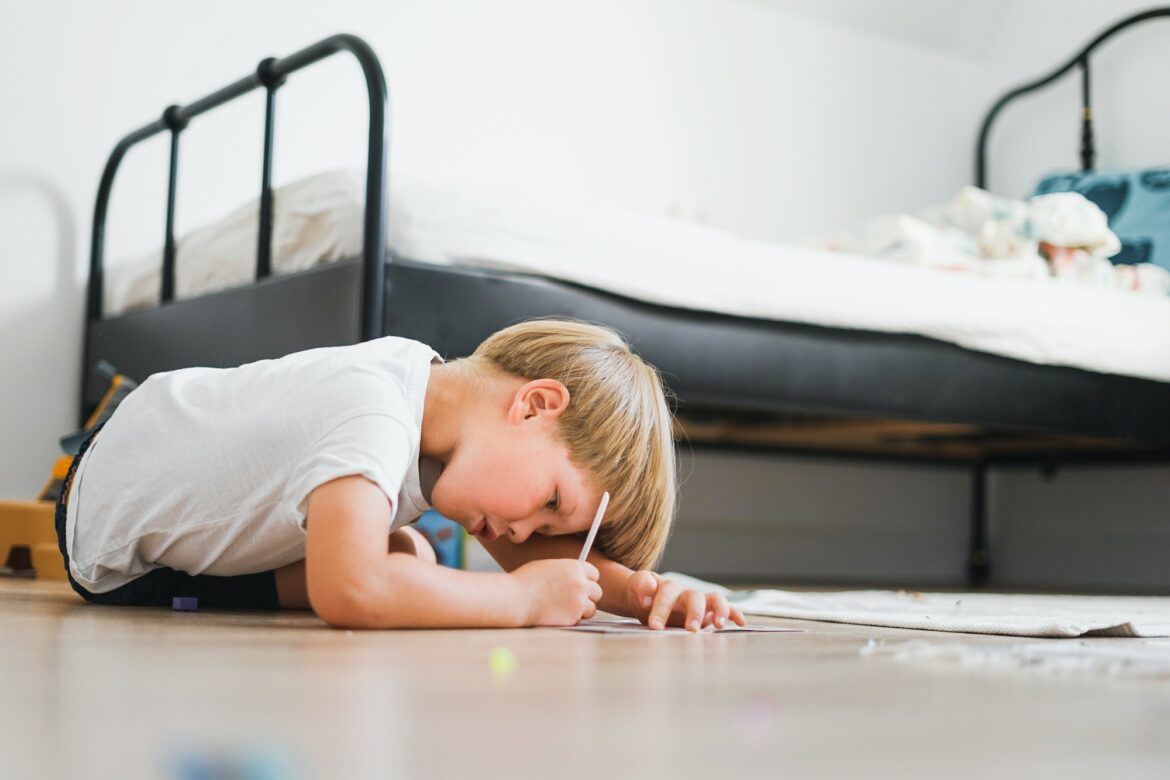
(659, 602)
(558, 591)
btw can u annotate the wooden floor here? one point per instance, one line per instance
(107, 692)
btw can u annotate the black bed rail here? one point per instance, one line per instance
(1080, 59)
(269, 74)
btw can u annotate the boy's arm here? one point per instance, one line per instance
(292, 593)
(353, 582)
(645, 595)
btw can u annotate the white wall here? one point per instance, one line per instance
(738, 113)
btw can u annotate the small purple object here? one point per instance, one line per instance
(185, 603)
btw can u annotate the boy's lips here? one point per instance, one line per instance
(484, 531)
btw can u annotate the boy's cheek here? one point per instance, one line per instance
(445, 500)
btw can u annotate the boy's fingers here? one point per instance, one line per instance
(591, 571)
(668, 592)
(737, 616)
(594, 592)
(717, 603)
(696, 605)
(640, 590)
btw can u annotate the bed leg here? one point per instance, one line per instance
(979, 560)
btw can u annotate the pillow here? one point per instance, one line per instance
(1137, 204)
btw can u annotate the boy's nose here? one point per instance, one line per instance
(519, 531)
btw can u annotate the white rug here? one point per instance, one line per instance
(969, 613)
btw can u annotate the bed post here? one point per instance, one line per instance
(1087, 152)
(979, 560)
(373, 322)
(175, 122)
(271, 81)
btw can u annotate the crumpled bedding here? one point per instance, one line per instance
(316, 220)
(1061, 236)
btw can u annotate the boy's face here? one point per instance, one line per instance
(510, 476)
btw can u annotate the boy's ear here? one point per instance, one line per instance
(540, 397)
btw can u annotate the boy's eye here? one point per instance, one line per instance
(553, 502)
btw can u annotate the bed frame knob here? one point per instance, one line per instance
(266, 72)
(173, 118)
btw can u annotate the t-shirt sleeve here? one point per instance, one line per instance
(375, 446)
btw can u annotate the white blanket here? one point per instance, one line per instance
(683, 265)
(968, 613)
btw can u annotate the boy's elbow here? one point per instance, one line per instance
(340, 603)
(338, 612)
(353, 606)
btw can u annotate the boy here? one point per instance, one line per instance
(291, 482)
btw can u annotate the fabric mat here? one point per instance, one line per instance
(970, 613)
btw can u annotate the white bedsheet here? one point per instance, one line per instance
(679, 264)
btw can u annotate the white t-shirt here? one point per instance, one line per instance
(209, 470)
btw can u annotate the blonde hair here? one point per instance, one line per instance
(617, 425)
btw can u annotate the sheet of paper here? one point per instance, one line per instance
(634, 627)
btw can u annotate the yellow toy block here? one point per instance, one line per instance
(29, 525)
(47, 560)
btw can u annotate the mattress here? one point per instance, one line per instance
(319, 220)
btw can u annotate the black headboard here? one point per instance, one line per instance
(1080, 59)
(269, 74)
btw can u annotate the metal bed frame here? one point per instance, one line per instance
(733, 376)
(1081, 60)
(270, 74)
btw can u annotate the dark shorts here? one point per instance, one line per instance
(158, 587)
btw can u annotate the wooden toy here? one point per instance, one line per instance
(28, 540)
